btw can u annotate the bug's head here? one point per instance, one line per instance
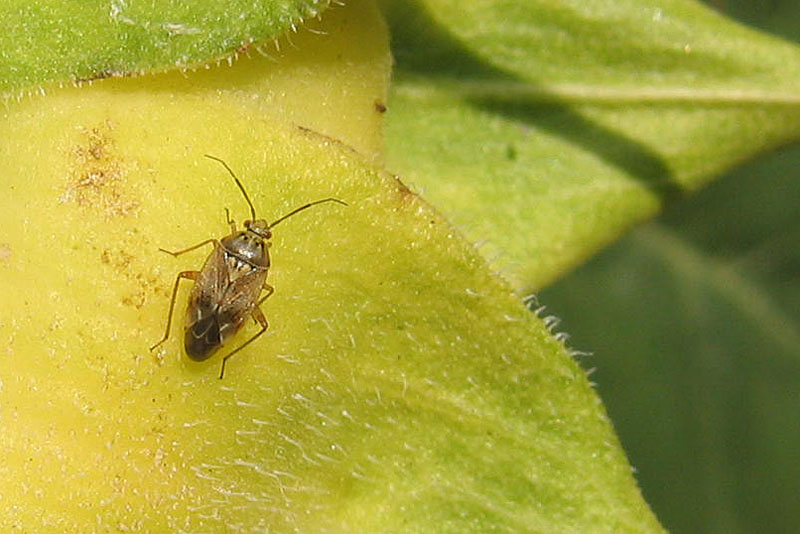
(260, 228)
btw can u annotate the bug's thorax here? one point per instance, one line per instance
(249, 247)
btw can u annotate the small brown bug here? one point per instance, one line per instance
(226, 289)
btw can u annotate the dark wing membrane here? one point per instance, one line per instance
(202, 339)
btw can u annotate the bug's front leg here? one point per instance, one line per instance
(191, 275)
(258, 315)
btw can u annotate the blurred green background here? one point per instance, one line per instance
(693, 322)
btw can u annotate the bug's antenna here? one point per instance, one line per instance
(241, 187)
(301, 208)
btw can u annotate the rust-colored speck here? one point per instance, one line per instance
(380, 107)
(125, 266)
(244, 48)
(97, 175)
(119, 260)
(135, 300)
(404, 194)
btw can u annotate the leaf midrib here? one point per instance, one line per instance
(425, 89)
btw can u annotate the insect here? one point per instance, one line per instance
(226, 290)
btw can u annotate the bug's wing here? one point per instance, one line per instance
(209, 288)
(240, 298)
(203, 335)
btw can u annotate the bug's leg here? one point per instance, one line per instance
(178, 253)
(191, 275)
(259, 316)
(230, 221)
(270, 290)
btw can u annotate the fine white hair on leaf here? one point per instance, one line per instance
(530, 300)
(261, 49)
(289, 40)
(551, 321)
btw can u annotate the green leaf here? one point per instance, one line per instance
(702, 373)
(48, 41)
(546, 129)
